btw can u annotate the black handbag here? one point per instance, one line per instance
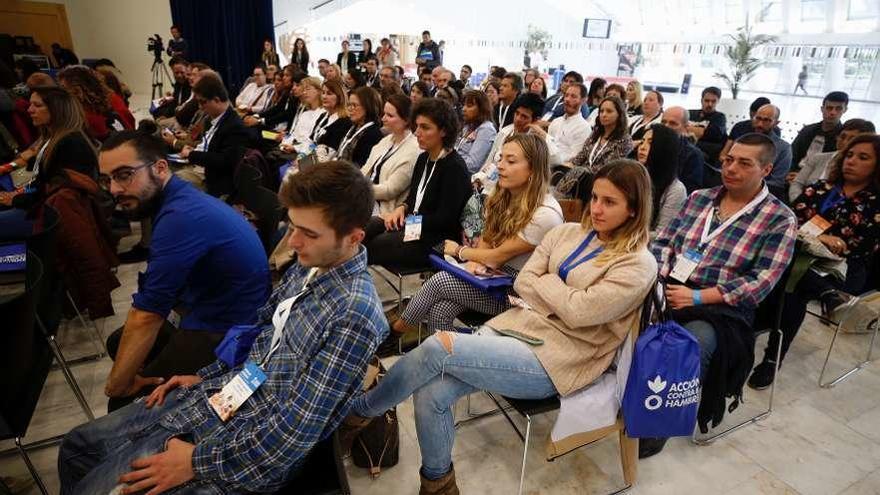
(377, 446)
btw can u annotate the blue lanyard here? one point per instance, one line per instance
(571, 262)
(832, 200)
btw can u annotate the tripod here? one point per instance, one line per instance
(160, 75)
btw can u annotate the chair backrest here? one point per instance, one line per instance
(246, 179)
(25, 356)
(43, 244)
(267, 208)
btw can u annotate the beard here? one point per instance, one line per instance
(148, 201)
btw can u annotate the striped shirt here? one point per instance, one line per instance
(745, 261)
(332, 332)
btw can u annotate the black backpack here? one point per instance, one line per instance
(378, 444)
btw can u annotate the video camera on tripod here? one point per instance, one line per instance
(156, 46)
(158, 70)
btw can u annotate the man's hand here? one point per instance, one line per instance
(538, 130)
(138, 383)
(157, 398)
(450, 247)
(161, 472)
(834, 244)
(790, 177)
(679, 296)
(184, 153)
(168, 136)
(396, 219)
(697, 131)
(6, 198)
(251, 121)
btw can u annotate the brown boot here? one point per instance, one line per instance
(444, 486)
(349, 429)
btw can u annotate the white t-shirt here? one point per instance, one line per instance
(546, 217)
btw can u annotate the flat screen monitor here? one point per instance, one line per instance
(597, 28)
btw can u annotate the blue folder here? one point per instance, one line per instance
(495, 286)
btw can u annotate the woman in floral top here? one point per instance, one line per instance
(850, 202)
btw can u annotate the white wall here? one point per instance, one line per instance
(118, 30)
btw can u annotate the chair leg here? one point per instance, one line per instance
(27, 461)
(629, 457)
(99, 339)
(857, 367)
(522, 472)
(68, 375)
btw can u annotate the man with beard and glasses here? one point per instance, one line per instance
(206, 262)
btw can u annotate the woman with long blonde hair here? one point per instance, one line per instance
(517, 215)
(581, 294)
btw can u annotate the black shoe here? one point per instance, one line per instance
(136, 254)
(763, 375)
(651, 446)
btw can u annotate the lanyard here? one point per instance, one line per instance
(641, 123)
(320, 126)
(833, 200)
(596, 152)
(423, 184)
(282, 313)
(708, 236)
(571, 262)
(210, 134)
(556, 104)
(377, 167)
(299, 111)
(502, 114)
(39, 158)
(349, 137)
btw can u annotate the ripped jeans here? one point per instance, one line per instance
(437, 378)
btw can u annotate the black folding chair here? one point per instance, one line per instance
(322, 473)
(264, 204)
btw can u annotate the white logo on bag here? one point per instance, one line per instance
(679, 394)
(653, 402)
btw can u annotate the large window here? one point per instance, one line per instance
(771, 10)
(863, 9)
(813, 10)
(734, 12)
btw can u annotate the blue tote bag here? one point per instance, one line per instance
(663, 389)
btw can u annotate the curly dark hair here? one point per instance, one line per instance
(442, 115)
(84, 83)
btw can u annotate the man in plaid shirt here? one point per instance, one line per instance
(316, 334)
(724, 254)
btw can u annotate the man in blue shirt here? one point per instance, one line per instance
(314, 339)
(205, 261)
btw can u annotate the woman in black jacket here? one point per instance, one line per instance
(364, 110)
(439, 189)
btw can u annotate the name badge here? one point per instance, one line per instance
(413, 231)
(227, 401)
(815, 227)
(685, 265)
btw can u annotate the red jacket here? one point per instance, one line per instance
(83, 251)
(118, 105)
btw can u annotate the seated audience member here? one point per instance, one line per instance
(390, 165)
(764, 121)
(224, 140)
(103, 114)
(582, 309)
(204, 259)
(449, 95)
(744, 127)
(529, 75)
(816, 166)
(371, 73)
(186, 438)
(323, 65)
(271, 71)
(193, 132)
(345, 59)
(709, 126)
(658, 152)
(387, 54)
(65, 165)
(526, 112)
(517, 215)
(186, 113)
(418, 91)
(539, 87)
(64, 56)
(445, 77)
(111, 77)
(690, 158)
(821, 136)
(437, 194)
(716, 276)
(596, 93)
(278, 116)
(652, 113)
(180, 90)
(609, 141)
(254, 97)
(567, 134)
(388, 78)
(633, 98)
(365, 111)
(330, 127)
(511, 86)
(352, 80)
(478, 131)
(464, 75)
(849, 200)
(333, 73)
(300, 55)
(610, 90)
(425, 77)
(554, 108)
(309, 110)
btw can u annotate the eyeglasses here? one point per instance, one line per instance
(122, 175)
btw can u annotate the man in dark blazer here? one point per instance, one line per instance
(346, 59)
(224, 140)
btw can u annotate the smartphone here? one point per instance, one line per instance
(528, 339)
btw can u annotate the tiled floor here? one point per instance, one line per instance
(817, 441)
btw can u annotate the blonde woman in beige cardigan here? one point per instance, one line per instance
(390, 164)
(581, 292)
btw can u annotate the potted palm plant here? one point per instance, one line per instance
(743, 64)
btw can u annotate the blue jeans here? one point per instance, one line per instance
(93, 456)
(437, 378)
(705, 334)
